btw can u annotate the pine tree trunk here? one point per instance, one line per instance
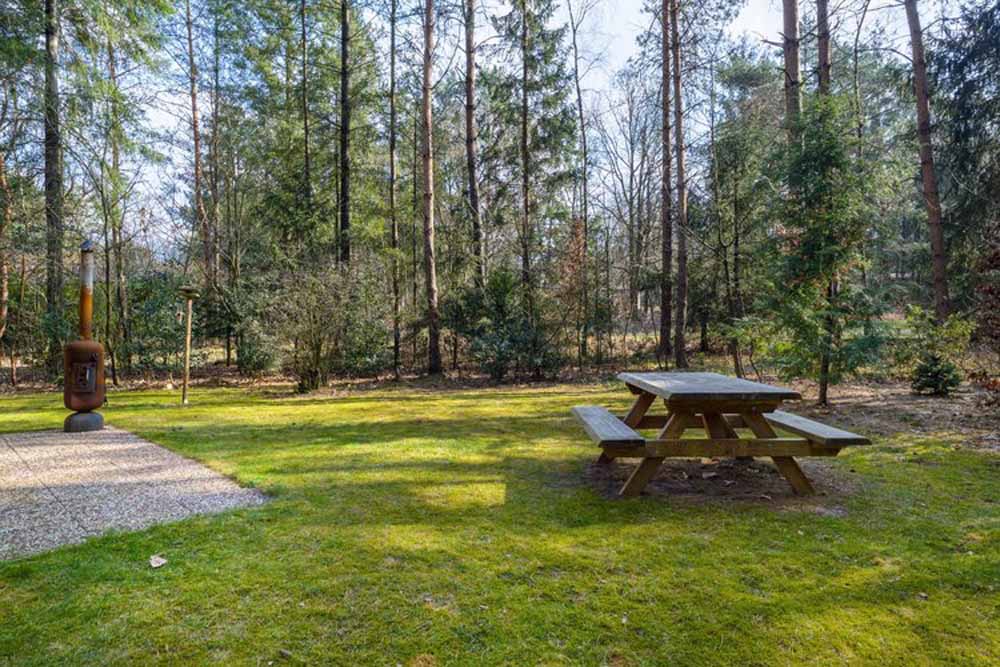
(6, 224)
(823, 39)
(54, 301)
(199, 203)
(680, 322)
(214, 148)
(345, 134)
(829, 322)
(929, 176)
(527, 232)
(417, 213)
(584, 184)
(430, 269)
(306, 157)
(393, 222)
(666, 205)
(790, 46)
(471, 146)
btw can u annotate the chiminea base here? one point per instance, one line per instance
(81, 422)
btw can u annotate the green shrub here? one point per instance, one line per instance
(255, 351)
(935, 375)
(922, 336)
(503, 335)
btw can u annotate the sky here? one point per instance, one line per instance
(622, 20)
(619, 22)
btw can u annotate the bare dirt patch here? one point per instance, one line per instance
(891, 409)
(699, 481)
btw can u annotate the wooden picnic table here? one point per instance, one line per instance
(718, 405)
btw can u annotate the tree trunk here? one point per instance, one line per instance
(575, 22)
(790, 46)
(829, 321)
(823, 39)
(199, 203)
(393, 222)
(471, 147)
(666, 205)
(214, 149)
(417, 206)
(527, 232)
(20, 309)
(54, 302)
(306, 157)
(6, 224)
(345, 134)
(430, 269)
(680, 323)
(930, 185)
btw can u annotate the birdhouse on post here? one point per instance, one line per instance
(83, 359)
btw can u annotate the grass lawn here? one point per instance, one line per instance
(456, 527)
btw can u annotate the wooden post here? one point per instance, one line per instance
(189, 294)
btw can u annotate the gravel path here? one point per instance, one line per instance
(60, 488)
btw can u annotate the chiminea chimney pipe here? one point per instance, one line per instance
(87, 290)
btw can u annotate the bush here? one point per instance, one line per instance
(255, 352)
(925, 337)
(333, 322)
(503, 335)
(935, 375)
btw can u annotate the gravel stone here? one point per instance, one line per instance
(61, 488)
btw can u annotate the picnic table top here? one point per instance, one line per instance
(706, 387)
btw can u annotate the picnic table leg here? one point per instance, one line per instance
(642, 402)
(786, 465)
(677, 422)
(717, 426)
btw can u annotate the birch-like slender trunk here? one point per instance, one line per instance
(927, 171)
(430, 268)
(680, 322)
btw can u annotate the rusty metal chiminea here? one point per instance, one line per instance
(83, 360)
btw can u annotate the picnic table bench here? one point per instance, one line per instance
(718, 405)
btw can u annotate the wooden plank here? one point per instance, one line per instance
(735, 447)
(793, 473)
(604, 428)
(814, 430)
(718, 428)
(706, 387)
(727, 448)
(646, 470)
(659, 421)
(640, 477)
(639, 408)
(676, 424)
